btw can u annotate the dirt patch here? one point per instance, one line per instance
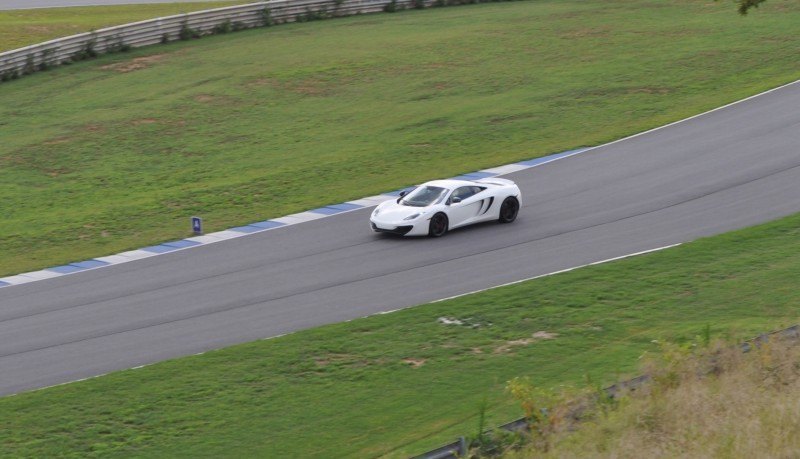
(38, 29)
(589, 32)
(414, 363)
(339, 359)
(215, 99)
(57, 141)
(259, 82)
(538, 336)
(93, 128)
(649, 90)
(306, 86)
(470, 322)
(137, 63)
(142, 121)
(545, 335)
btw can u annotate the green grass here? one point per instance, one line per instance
(263, 123)
(351, 390)
(20, 28)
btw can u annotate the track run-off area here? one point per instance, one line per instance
(29, 4)
(730, 168)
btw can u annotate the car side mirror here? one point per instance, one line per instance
(403, 193)
(455, 200)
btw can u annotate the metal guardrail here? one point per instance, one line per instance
(460, 448)
(144, 33)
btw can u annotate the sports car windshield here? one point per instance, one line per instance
(424, 196)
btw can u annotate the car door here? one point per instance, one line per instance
(467, 210)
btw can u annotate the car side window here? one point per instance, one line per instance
(465, 192)
(462, 193)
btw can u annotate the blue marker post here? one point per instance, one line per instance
(197, 225)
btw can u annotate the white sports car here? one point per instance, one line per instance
(435, 207)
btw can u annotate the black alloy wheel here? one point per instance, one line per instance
(509, 210)
(438, 225)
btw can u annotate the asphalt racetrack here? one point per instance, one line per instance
(727, 169)
(29, 4)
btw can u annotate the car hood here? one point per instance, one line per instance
(392, 211)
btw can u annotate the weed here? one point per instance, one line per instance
(30, 65)
(116, 44)
(223, 27)
(266, 17)
(47, 59)
(87, 51)
(390, 7)
(188, 33)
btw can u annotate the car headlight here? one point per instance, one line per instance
(376, 212)
(411, 217)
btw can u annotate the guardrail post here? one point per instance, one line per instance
(462, 447)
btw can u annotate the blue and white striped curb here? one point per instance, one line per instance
(258, 227)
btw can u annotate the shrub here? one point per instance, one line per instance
(223, 27)
(116, 44)
(47, 59)
(266, 17)
(87, 52)
(29, 66)
(9, 75)
(187, 33)
(390, 7)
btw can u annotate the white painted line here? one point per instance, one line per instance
(507, 169)
(304, 217)
(202, 239)
(287, 220)
(560, 271)
(367, 202)
(39, 275)
(680, 121)
(136, 254)
(114, 259)
(372, 200)
(18, 279)
(224, 235)
(579, 152)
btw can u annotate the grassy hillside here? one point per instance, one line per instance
(20, 28)
(117, 153)
(710, 401)
(401, 383)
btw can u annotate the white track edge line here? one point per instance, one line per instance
(529, 167)
(608, 260)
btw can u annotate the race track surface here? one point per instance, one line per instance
(29, 4)
(728, 169)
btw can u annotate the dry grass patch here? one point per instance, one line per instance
(414, 363)
(137, 63)
(141, 121)
(713, 401)
(538, 336)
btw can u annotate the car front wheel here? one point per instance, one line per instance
(438, 225)
(509, 210)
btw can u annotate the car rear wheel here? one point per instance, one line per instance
(438, 225)
(509, 210)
